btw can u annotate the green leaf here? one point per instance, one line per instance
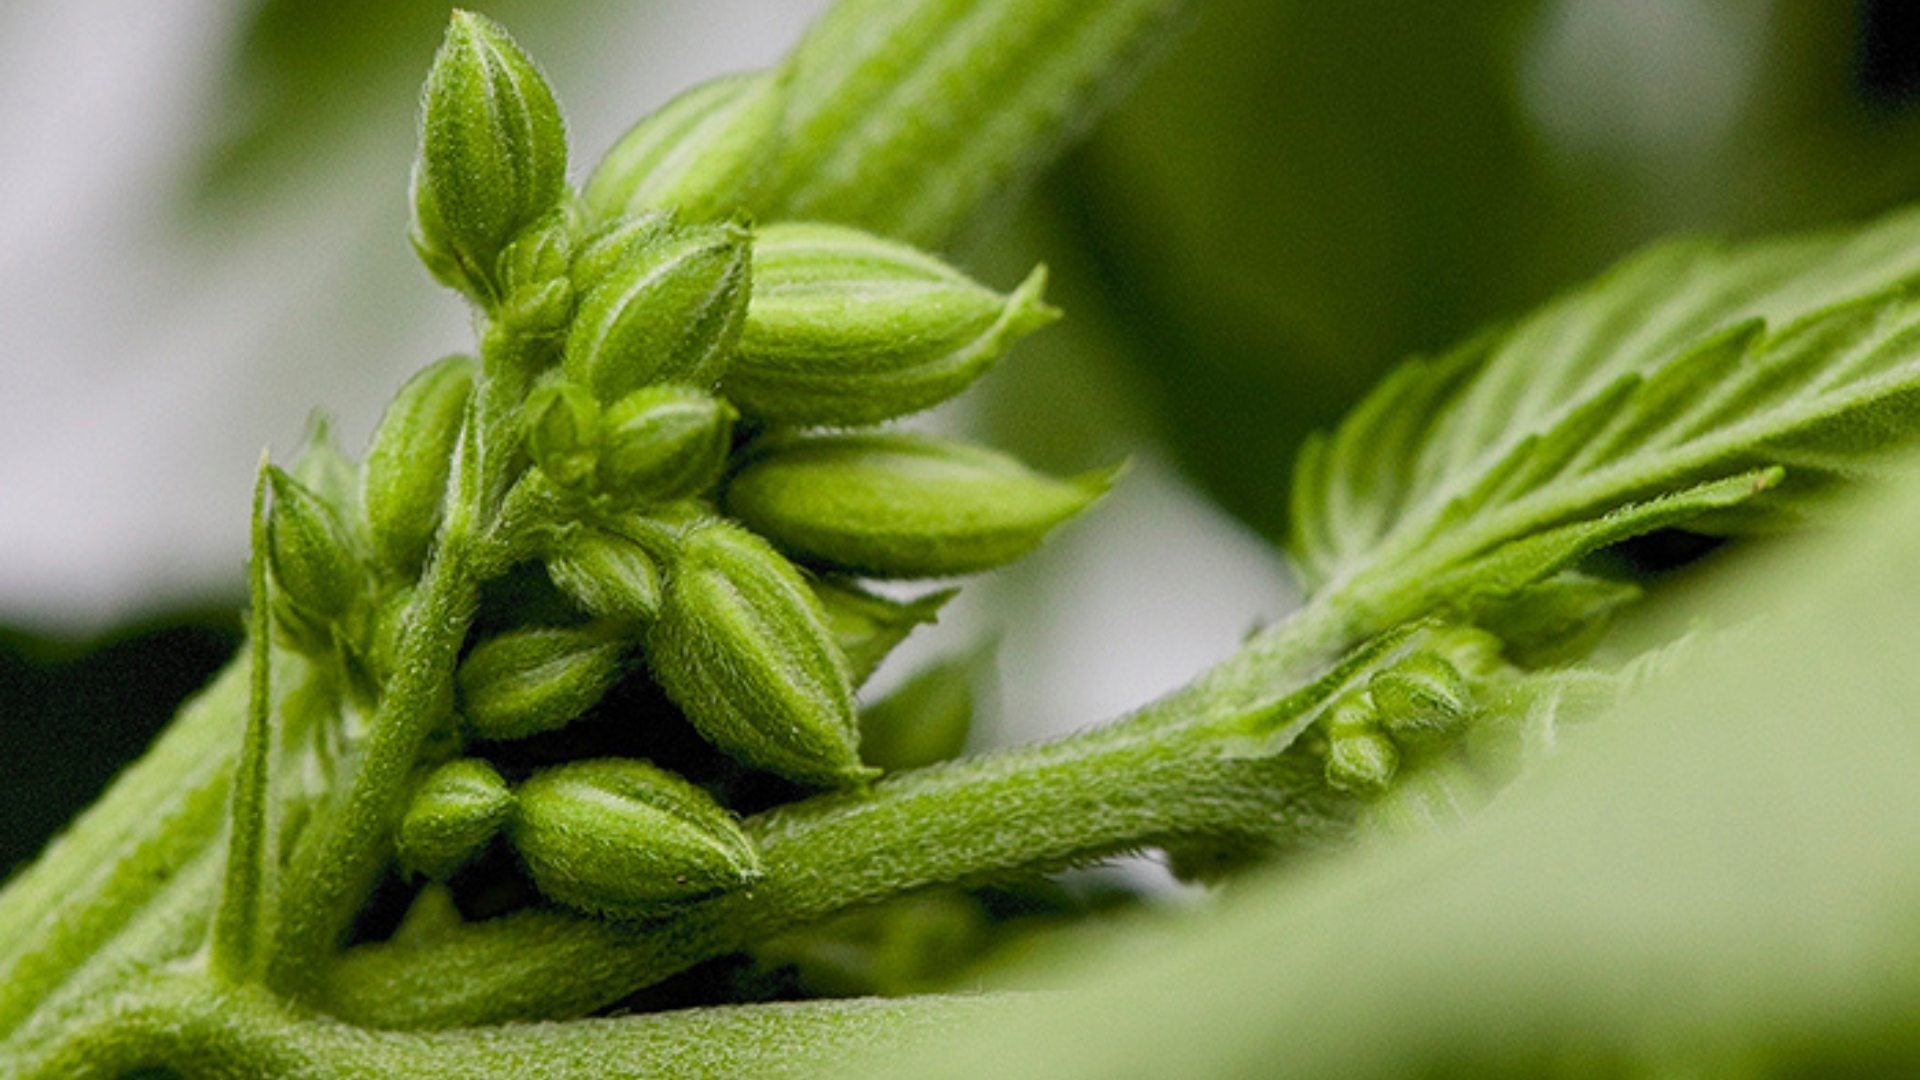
(1688, 365)
(248, 885)
(925, 719)
(904, 117)
(1722, 882)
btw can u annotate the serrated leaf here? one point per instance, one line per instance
(1692, 369)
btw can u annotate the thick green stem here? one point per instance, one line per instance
(192, 1026)
(337, 861)
(155, 819)
(1139, 783)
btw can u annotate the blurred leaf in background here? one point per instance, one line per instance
(1722, 878)
(1300, 195)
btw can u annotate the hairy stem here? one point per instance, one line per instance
(191, 1026)
(155, 820)
(338, 859)
(1138, 783)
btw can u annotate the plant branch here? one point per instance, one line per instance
(1163, 775)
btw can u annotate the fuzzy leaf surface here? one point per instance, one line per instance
(1690, 365)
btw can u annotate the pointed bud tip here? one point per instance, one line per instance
(1030, 309)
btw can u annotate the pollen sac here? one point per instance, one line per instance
(563, 432)
(403, 483)
(453, 815)
(537, 679)
(1362, 762)
(846, 328)
(701, 153)
(866, 626)
(1422, 700)
(670, 310)
(493, 155)
(607, 574)
(310, 550)
(662, 443)
(742, 647)
(534, 279)
(898, 505)
(626, 839)
(618, 241)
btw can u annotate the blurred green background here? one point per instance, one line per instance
(1296, 196)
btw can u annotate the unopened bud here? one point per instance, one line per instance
(662, 443)
(1362, 762)
(454, 813)
(616, 242)
(534, 280)
(700, 154)
(493, 154)
(1421, 700)
(846, 328)
(403, 483)
(902, 505)
(670, 311)
(310, 550)
(608, 575)
(538, 679)
(626, 839)
(742, 646)
(563, 432)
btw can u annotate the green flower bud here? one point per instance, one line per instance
(404, 480)
(1421, 700)
(324, 470)
(493, 154)
(537, 679)
(923, 721)
(534, 275)
(563, 432)
(846, 328)
(701, 153)
(619, 241)
(670, 311)
(900, 505)
(454, 813)
(1362, 762)
(541, 253)
(868, 627)
(1349, 714)
(626, 839)
(310, 550)
(662, 443)
(608, 575)
(742, 646)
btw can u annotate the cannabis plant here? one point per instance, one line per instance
(547, 705)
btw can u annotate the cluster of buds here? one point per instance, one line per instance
(1419, 706)
(692, 408)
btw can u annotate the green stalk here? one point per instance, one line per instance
(338, 861)
(192, 1027)
(155, 819)
(1163, 775)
